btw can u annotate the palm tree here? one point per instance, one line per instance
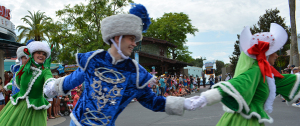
(36, 30)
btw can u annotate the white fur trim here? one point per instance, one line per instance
(88, 60)
(39, 46)
(138, 76)
(212, 96)
(20, 52)
(272, 94)
(49, 88)
(174, 105)
(28, 91)
(114, 62)
(59, 86)
(230, 90)
(226, 109)
(260, 120)
(5, 87)
(74, 120)
(13, 68)
(296, 86)
(293, 91)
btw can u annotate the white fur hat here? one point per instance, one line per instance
(121, 24)
(277, 37)
(20, 52)
(39, 46)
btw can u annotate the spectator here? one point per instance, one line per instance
(291, 68)
(204, 79)
(162, 85)
(180, 79)
(185, 81)
(2, 99)
(198, 82)
(168, 81)
(7, 78)
(216, 79)
(49, 110)
(295, 70)
(69, 103)
(76, 98)
(211, 81)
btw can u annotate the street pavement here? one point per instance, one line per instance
(136, 115)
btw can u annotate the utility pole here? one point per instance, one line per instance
(294, 45)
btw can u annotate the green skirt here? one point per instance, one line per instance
(20, 115)
(235, 119)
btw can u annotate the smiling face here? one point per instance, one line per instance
(39, 57)
(127, 45)
(272, 58)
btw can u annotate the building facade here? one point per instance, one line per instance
(8, 44)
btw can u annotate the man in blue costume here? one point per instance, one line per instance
(15, 68)
(111, 78)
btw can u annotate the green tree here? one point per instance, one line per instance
(235, 55)
(36, 29)
(78, 29)
(219, 65)
(173, 27)
(198, 62)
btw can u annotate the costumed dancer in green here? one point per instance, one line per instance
(29, 106)
(249, 96)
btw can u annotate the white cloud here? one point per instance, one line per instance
(208, 43)
(217, 54)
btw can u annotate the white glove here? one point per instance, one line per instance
(188, 103)
(199, 102)
(49, 90)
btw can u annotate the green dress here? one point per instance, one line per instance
(244, 97)
(29, 106)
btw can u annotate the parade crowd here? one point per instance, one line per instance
(182, 85)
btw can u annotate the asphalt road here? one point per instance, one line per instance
(136, 115)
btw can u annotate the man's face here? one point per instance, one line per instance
(127, 44)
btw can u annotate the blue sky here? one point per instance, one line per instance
(218, 21)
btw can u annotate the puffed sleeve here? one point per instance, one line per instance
(288, 87)
(237, 93)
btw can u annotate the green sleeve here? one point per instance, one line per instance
(48, 78)
(47, 74)
(238, 92)
(288, 86)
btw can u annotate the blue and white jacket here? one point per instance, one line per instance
(109, 87)
(14, 69)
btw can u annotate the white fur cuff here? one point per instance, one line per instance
(59, 86)
(174, 105)
(5, 87)
(212, 96)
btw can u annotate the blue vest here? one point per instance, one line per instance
(109, 88)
